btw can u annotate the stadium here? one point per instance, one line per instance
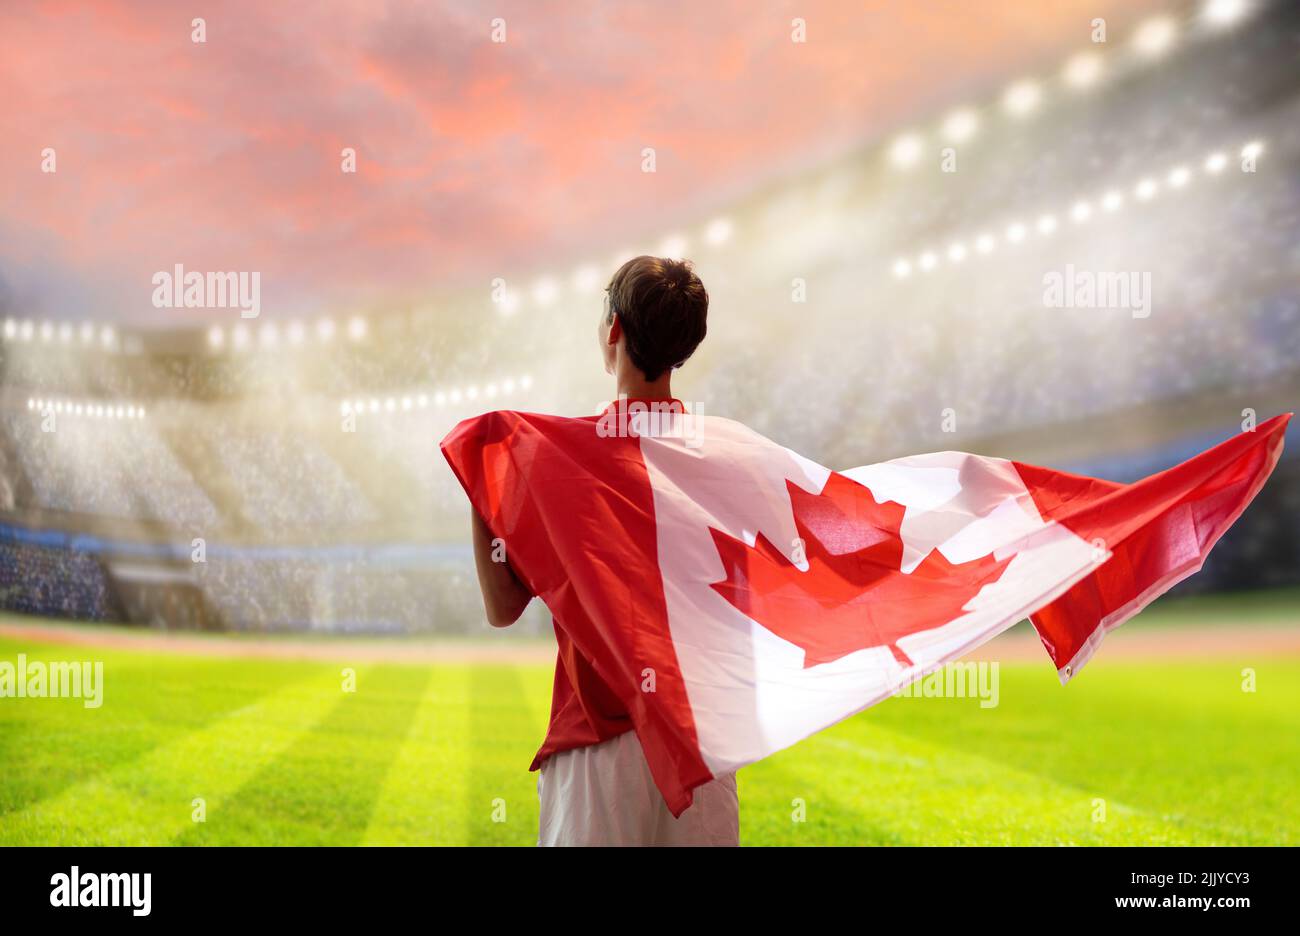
(230, 511)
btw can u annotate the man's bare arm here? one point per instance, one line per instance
(504, 596)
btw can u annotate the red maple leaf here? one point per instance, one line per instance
(854, 594)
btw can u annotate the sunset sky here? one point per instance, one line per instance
(475, 159)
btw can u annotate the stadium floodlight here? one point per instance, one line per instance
(1015, 233)
(79, 409)
(31, 404)
(65, 333)
(140, 413)
(905, 151)
(47, 332)
(345, 407)
(439, 398)
(471, 392)
(1154, 37)
(296, 333)
(927, 261)
(390, 404)
(1179, 176)
(984, 243)
(1046, 224)
(490, 390)
(718, 232)
(268, 335)
(422, 401)
(87, 332)
(374, 406)
(957, 252)
(1081, 212)
(120, 412)
(1022, 98)
(509, 302)
(216, 337)
(1082, 70)
(1252, 150)
(58, 406)
(407, 403)
(960, 125)
(239, 336)
(1215, 163)
(25, 330)
(356, 328)
(525, 381)
(1146, 190)
(545, 291)
(454, 397)
(11, 329)
(586, 278)
(508, 385)
(130, 412)
(673, 247)
(1112, 201)
(325, 329)
(1224, 12)
(902, 269)
(107, 336)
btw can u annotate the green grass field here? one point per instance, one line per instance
(424, 754)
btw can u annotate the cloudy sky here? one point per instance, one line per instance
(474, 158)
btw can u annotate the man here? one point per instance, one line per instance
(595, 786)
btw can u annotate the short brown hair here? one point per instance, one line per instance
(663, 308)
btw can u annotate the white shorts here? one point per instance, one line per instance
(603, 795)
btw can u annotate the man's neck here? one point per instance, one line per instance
(636, 387)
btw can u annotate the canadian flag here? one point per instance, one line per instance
(738, 597)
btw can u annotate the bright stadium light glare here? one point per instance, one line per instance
(673, 247)
(927, 261)
(490, 390)
(107, 336)
(1046, 224)
(268, 335)
(130, 412)
(374, 406)
(1112, 201)
(239, 336)
(47, 332)
(1015, 233)
(422, 401)
(902, 269)
(25, 330)
(31, 404)
(1252, 150)
(1081, 212)
(216, 337)
(407, 403)
(356, 328)
(454, 396)
(905, 151)
(1082, 70)
(58, 406)
(960, 125)
(984, 243)
(121, 413)
(586, 278)
(345, 407)
(471, 392)
(11, 328)
(1154, 37)
(1146, 190)
(65, 333)
(508, 303)
(525, 381)
(1224, 12)
(1179, 176)
(718, 231)
(545, 291)
(87, 332)
(957, 253)
(508, 385)
(296, 333)
(439, 398)
(1215, 163)
(1022, 98)
(80, 409)
(325, 329)
(390, 404)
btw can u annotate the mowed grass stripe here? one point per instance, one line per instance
(423, 799)
(501, 794)
(321, 790)
(149, 801)
(1177, 740)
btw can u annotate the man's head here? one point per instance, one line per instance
(655, 316)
